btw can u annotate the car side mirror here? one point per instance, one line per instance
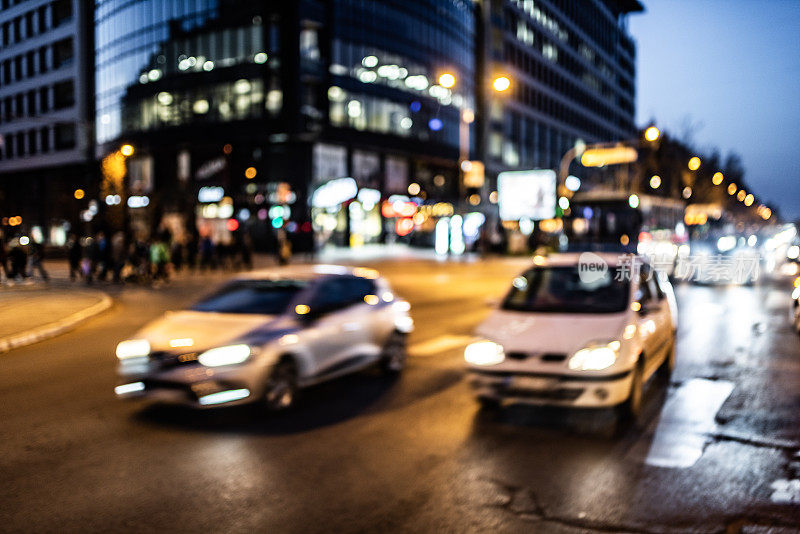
(314, 313)
(648, 307)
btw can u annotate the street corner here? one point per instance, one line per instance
(30, 315)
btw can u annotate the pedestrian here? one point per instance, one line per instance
(176, 255)
(284, 249)
(89, 259)
(36, 259)
(18, 260)
(247, 251)
(118, 254)
(3, 259)
(191, 251)
(206, 253)
(159, 258)
(103, 257)
(74, 254)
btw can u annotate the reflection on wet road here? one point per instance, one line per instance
(686, 423)
(716, 448)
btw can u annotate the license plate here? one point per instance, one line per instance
(205, 388)
(535, 383)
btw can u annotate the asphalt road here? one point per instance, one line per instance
(716, 449)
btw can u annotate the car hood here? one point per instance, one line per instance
(550, 332)
(204, 330)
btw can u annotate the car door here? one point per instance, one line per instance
(654, 318)
(362, 318)
(661, 313)
(335, 327)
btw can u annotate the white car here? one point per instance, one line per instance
(582, 330)
(266, 334)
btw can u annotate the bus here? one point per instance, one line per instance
(607, 220)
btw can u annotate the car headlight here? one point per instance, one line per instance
(133, 348)
(230, 355)
(484, 353)
(595, 358)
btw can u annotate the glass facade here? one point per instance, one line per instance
(386, 60)
(573, 69)
(171, 63)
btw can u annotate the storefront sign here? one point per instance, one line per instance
(333, 193)
(210, 194)
(527, 194)
(210, 168)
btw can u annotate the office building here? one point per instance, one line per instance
(46, 105)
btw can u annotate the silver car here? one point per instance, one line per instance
(266, 334)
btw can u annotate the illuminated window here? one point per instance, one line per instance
(309, 46)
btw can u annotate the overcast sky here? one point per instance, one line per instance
(731, 68)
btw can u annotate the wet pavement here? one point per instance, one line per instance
(715, 450)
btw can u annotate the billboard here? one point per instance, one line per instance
(527, 194)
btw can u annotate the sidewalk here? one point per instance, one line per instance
(367, 254)
(29, 314)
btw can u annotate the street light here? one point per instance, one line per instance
(501, 83)
(79, 194)
(126, 150)
(655, 181)
(467, 117)
(651, 134)
(717, 178)
(749, 199)
(732, 189)
(694, 163)
(447, 80)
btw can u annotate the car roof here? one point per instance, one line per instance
(308, 272)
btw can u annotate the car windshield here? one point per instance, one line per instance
(267, 297)
(564, 290)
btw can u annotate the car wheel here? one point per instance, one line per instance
(281, 390)
(395, 352)
(632, 406)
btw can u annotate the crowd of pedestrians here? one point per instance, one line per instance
(21, 259)
(120, 258)
(124, 259)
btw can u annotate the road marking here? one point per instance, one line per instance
(438, 345)
(686, 422)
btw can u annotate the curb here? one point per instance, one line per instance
(55, 328)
